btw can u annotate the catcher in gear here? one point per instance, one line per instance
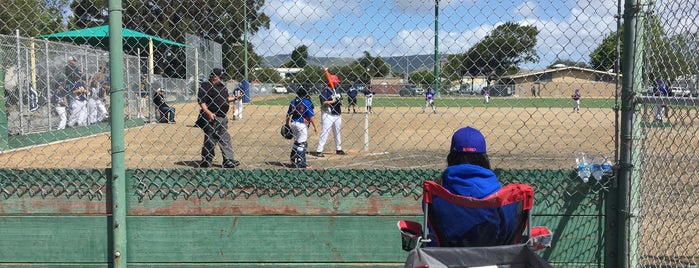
(298, 116)
(286, 132)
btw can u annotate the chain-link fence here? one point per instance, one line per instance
(664, 210)
(529, 69)
(36, 83)
(510, 69)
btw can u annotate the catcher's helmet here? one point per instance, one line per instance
(286, 132)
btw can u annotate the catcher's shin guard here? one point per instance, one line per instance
(298, 154)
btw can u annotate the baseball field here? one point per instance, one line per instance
(402, 136)
(397, 136)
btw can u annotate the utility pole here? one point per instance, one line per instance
(436, 47)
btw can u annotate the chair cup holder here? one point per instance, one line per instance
(408, 240)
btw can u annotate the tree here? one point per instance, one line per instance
(89, 13)
(359, 71)
(499, 53)
(686, 47)
(299, 58)
(31, 17)
(604, 57)
(568, 63)
(422, 77)
(665, 56)
(363, 69)
(310, 74)
(266, 75)
(452, 70)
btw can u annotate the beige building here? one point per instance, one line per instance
(555, 82)
(562, 81)
(387, 85)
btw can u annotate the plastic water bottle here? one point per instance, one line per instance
(596, 168)
(583, 166)
(607, 166)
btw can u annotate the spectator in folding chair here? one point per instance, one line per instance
(467, 206)
(469, 174)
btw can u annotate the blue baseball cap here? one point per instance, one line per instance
(468, 140)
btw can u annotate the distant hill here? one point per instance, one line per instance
(411, 63)
(278, 60)
(399, 64)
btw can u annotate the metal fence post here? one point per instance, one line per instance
(48, 84)
(3, 111)
(119, 243)
(632, 60)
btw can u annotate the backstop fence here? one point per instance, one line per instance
(508, 68)
(34, 70)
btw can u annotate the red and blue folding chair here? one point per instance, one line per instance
(454, 221)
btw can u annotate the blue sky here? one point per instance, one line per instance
(569, 29)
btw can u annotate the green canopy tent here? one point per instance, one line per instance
(99, 37)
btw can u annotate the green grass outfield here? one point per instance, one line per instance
(449, 101)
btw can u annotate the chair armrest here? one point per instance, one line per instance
(541, 238)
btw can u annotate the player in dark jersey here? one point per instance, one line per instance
(352, 99)
(331, 114)
(576, 100)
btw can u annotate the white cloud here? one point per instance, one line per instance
(419, 6)
(572, 37)
(526, 9)
(569, 29)
(297, 12)
(275, 41)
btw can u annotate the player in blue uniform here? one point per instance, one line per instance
(429, 100)
(298, 116)
(660, 90)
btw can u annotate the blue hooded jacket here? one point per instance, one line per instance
(461, 226)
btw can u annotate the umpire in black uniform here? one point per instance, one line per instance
(213, 99)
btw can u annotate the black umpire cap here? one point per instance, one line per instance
(301, 92)
(217, 72)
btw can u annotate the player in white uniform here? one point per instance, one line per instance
(486, 95)
(95, 104)
(238, 94)
(78, 105)
(331, 116)
(369, 100)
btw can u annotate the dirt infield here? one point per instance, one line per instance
(522, 138)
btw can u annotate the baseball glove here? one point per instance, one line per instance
(286, 132)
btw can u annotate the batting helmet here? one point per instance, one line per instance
(286, 132)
